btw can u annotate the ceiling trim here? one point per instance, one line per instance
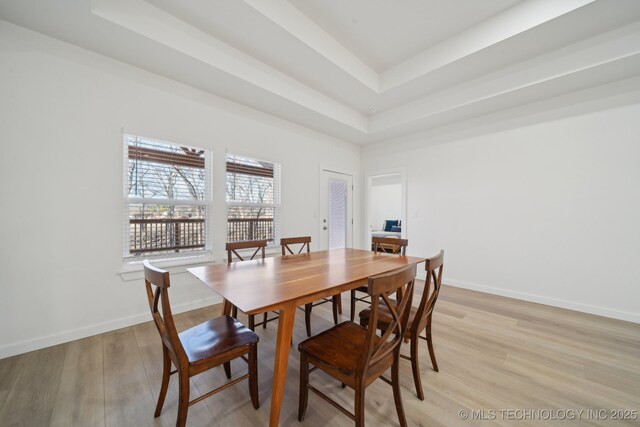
(509, 23)
(622, 45)
(297, 24)
(144, 19)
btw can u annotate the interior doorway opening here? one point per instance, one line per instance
(386, 202)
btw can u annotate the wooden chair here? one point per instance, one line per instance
(305, 242)
(234, 247)
(198, 349)
(420, 318)
(259, 246)
(287, 242)
(390, 245)
(355, 355)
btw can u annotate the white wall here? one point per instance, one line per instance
(385, 200)
(548, 212)
(62, 111)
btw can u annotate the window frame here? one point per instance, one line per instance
(166, 258)
(277, 195)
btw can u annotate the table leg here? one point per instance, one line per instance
(283, 344)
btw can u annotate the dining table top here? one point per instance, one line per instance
(261, 285)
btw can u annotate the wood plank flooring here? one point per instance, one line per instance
(495, 354)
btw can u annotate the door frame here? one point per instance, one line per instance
(369, 175)
(354, 177)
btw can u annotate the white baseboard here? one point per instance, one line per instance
(98, 328)
(554, 302)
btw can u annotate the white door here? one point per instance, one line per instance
(336, 210)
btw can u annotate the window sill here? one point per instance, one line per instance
(135, 271)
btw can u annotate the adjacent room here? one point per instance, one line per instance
(320, 212)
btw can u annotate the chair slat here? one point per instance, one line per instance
(304, 241)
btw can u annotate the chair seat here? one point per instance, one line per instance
(339, 347)
(216, 336)
(384, 316)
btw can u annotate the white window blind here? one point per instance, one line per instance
(337, 213)
(166, 198)
(253, 199)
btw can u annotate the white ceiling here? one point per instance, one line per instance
(422, 64)
(383, 33)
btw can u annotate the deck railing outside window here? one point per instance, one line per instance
(179, 234)
(241, 229)
(160, 234)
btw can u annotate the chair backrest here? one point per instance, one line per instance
(380, 288)
(157, 284)
(305, 242)
(434, 267)
(389, 245)
(233, 247)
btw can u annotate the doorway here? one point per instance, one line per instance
(336, 210)
(386, 205)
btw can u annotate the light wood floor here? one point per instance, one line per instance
(494, 354)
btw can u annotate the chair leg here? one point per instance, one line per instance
(335, 303)
(183, 399)
(353, 305)
(364, 321)
(234, 312)
(166, 369)
(227, 369)
(359, 405)
(395, 382)
(304, 389)
(432, 354)
(252, 322)
(253, 375)
(307, 317)
(415, 366)
(264, 321)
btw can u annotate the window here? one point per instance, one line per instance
(167, 193)
(253, 199)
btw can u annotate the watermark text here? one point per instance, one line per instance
(515, 414)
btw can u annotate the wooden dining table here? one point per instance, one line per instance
(286, 282)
